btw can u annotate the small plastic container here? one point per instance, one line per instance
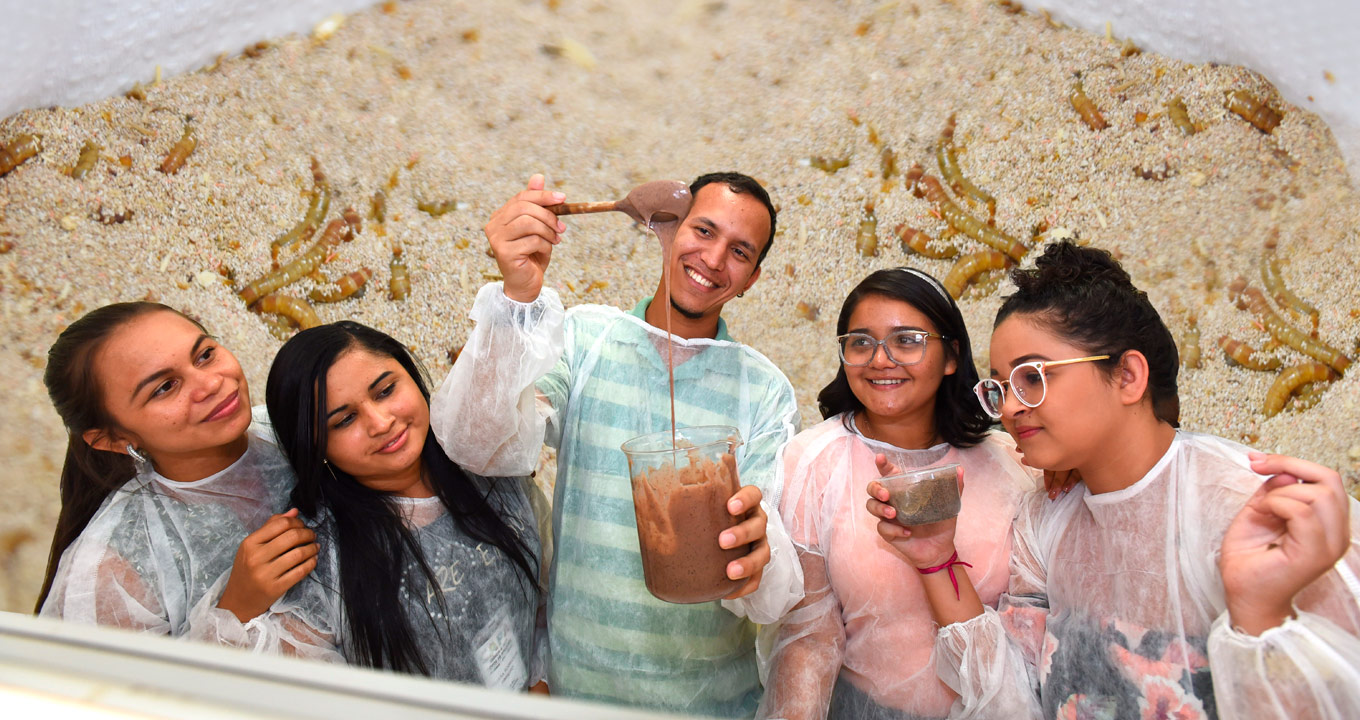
(924, 495)
(680, 494)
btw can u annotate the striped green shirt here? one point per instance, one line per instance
(610, 639)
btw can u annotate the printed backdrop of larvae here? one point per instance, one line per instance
(964, 126)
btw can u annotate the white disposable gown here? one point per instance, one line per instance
(1116, 610)
(486, 631)
(586, 381)
(859, 645)
(157, 553)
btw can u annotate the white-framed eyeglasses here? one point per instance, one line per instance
(1027, 381)
(904, 347)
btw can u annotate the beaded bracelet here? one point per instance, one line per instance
(948, 565)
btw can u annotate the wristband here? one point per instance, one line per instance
(947, 565)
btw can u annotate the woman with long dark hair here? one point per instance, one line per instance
(1187, 577)
(424, 568)
(859, 644)
(169, 485)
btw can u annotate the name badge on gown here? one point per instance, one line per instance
(498, 656)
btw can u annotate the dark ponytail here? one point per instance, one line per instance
(371, 540)
(959, 419)
(1085, 296)
(88, 475)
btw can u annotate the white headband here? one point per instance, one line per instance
(932, 281)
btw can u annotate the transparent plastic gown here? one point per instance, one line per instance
(156, 554)
(585, 381)
(1116, 610)
(487, 631)
(860, 644)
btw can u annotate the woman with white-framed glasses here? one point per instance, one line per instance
(860, 643)
(1187, 577)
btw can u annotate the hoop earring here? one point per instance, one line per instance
(137, 456)
(741, 294)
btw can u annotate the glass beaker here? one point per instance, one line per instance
(680, 493)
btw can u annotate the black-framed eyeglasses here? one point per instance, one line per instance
(1027, 381)
(904, 347)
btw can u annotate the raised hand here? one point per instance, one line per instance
(268, 562)
(522, 233)
(1292, 530)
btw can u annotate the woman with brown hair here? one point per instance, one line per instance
(166, 476)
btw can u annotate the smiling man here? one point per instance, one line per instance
(587, 380)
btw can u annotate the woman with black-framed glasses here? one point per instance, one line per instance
(859, 644)
(1179, 580)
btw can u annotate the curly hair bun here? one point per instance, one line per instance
(1066, 263)
(1084, 295)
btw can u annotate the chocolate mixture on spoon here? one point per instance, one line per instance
(660, 205)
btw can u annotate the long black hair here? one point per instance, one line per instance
(88, 475)
(1085, 296)
(959, 419)
(371, 541)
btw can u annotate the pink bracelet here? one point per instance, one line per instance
(948, 565)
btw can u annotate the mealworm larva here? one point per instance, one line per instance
(352, 219)
(1274, 282)
(278, 326)
(1242, 354)
(1260, 114)
(347, 285)
(984, 283)
(89, 155)
(948, 161)
(969, 266)
(1180, 116)
(969, 225)
(920, 243)
(1291, 336)
(913, 179)
(887, 162)
(317, 208)
(18, 152)
(1291, 379)
(1090, 114)
(866, 241)
(300, 266)
(1190, 352)
(829, 165)
(399, 284)
(179, 152)
(1308, 395)
(435, 209)
(377, 207)
(293, 308)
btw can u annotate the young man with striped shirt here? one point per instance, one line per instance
(585, 381)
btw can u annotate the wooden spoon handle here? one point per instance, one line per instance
(584, 207)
